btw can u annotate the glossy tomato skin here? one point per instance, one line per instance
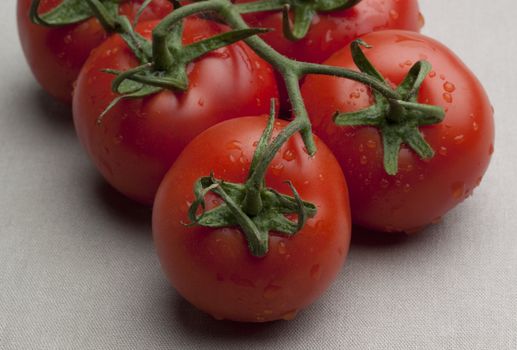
(331, 31)
(139, 139)
(212, 268)
(423, 191)
(56, 55)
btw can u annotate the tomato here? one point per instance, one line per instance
(331, 31)
(139, 139)
(56, 55)
(213, 268)
(422, 191)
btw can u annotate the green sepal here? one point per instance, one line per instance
(146, 80)
(268, 206)
(398, 120)
(68, 12)
(256, 228)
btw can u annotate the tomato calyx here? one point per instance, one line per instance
(164, 61)
(73, 11)
(303, 12)
(398, 119)
(252, 206)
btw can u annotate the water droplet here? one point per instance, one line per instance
(459, 139)
(421, 20)
(277, 169)
(315, 272)
(232, 158)
(289, 155)
(271, 291)
(371, 144)
(448, 86)
(118, 139)
(385, 183)
(394, 15)
(421, 177)
(255, 144)
(282, 249)
(432, 74)
(290, 315)
(363, 160)
(475, 126)
(458, 190)
(355, 94)
(267, 312)
(442, 77)
(201, 102)
(436, 220)
(321, 177)
(442, 151)
(447, 97)
(407, 188)
(234, 145)
(68, 39)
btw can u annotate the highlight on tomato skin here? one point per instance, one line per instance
(213, 268)
(139, 139)
(331, 31)
(56, 55)
(423, 190)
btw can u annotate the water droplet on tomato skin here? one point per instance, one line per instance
(442, 151)
(447, 97)
(458, 190)
(277, 169)
(421, 20)
(363, 160)
(290, 315)
(475, 126)
(394, 15)
(282, 249)
(234, 145)
(449, 87)
(201, 102)
(432, 74)
(271, 291)
(315, 272)
(371, 144)
(459, 139)
(288, 155)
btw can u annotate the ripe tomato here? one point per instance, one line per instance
(213, 268)
(139, 139)
(422, 191)
(333, 30)
(56, 55)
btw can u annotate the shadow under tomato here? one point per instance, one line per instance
(364, 237)
(55, 113)
(121, 208)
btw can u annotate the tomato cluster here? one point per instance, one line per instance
(252, 217)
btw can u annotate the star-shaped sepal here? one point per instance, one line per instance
(398, 120)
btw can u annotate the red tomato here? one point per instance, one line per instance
(139, 139)
(56, 55)
(213, 268)
(333, 30)
(422, 191)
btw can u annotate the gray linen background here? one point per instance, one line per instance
(78, 268)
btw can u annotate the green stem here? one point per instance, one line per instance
(163, 58)
(108, 22)
(382, 88)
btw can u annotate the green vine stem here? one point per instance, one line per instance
(252, 206)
